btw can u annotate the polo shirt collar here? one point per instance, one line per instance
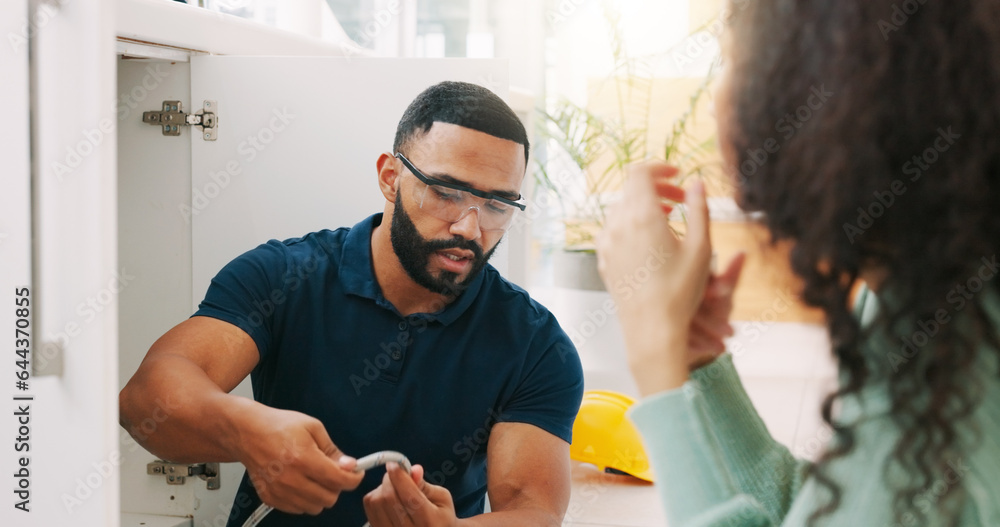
(358, 275)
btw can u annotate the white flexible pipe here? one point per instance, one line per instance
(366, 463)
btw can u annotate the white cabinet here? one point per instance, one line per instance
(57, 219)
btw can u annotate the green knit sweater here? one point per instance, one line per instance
(717, 465)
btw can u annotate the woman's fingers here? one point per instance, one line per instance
(731, 276)
(711, 321)
(698, 236)
(669, 190)
(712, 325)
(701, 344)
(655, 169)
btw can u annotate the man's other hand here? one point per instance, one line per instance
(406, 500)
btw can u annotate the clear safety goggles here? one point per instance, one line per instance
(451, 202)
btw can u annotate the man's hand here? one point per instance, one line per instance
(292, 462)
(406, 500)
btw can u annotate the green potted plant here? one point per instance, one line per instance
(588, 152)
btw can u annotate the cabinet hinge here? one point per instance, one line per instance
(172, 117)
(177, 473)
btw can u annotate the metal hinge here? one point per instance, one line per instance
(176, 473)
(172, 117)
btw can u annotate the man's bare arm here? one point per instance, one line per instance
(178, 406)
(181, 391)
(528, 476)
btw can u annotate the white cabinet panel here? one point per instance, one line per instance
(71, 425)
(15, 230)
(154, 181)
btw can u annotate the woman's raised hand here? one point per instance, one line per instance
(674, 312)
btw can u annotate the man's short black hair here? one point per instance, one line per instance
(464, 104)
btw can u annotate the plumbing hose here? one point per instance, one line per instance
(366, 463)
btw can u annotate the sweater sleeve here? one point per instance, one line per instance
(715, 461)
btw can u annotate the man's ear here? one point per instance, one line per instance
(387, 175)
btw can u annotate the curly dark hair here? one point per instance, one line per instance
(866, 131)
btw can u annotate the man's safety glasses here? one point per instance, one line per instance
(451, 202)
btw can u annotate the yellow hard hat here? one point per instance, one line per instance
(604, 436)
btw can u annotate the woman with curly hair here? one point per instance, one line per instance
(867, 133)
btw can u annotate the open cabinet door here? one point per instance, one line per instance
(294, 152)
(58, 268)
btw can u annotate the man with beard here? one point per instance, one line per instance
(394, 334)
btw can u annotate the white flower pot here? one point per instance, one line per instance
(576, 270)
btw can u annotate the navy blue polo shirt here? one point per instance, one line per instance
(430, 385)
